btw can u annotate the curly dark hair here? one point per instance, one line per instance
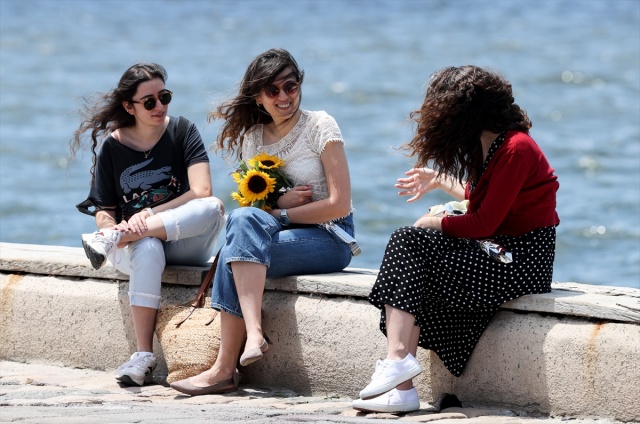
(242, 112)
(460, 103)
(104, 113)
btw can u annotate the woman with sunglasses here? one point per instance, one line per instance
(151, 190)
(438, 286)
(265, 117)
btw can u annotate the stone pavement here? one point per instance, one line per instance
(46, 394)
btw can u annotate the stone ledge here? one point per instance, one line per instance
(617, 304)
(576, 355)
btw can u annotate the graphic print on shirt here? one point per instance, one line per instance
(144, 188)
(136, 182)
(152, 197)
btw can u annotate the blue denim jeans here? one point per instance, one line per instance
(253, 235)
(191, 230)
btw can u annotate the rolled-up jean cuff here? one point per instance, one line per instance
(247, 259)
(171, 226)
(144, 299)
(219, 307)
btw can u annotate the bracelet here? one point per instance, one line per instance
(150, 211)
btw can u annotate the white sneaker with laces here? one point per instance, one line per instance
(99, 245)
(138, 370)
(389, 374)
(392, 401)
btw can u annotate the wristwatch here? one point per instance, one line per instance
(284, 218)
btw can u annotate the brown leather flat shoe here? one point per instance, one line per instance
(254, 354)
(226, 386)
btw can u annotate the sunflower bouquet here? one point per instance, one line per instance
(260, 181)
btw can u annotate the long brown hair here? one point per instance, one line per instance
(460, 103)
(104, 113)
(242, 112)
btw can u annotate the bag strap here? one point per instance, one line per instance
(198, 302)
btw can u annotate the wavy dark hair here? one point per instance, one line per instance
(460, 103)
(103, 113)
(242, 112)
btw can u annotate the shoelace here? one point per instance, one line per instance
(380, 367)
(139, 365)
(136, 363)
(129, 363)
(104, 241)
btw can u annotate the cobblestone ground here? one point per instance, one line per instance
(45, 394)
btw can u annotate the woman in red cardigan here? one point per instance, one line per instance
(438, 286)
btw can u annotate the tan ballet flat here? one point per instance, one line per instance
(254, 354)
(226, 386)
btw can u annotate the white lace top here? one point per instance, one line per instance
(300, 149)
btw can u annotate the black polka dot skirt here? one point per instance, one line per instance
(453, 289)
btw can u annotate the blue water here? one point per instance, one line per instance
(574, 65)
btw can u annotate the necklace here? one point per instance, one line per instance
(148, 152)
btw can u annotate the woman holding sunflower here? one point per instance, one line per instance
(279, 237)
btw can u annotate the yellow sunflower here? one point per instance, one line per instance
(256, 185)
(241, 200)
(237, 177)
(265, 161)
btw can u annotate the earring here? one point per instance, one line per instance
(258, 103)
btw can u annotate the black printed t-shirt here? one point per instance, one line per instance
(123, 174)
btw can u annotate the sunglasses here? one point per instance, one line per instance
(150, 102)
(289, 87)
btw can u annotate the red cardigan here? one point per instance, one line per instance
(515, 195)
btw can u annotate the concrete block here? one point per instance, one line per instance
(73, 322)
(63, 321)
(551, 365)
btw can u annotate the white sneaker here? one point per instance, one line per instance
(99, 245)
(138, 370)
(389, 374)
(392, 401)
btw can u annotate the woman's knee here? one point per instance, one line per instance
(194, 218)
(250, 221)
(208, 209)
(243, 215)
(214, 214)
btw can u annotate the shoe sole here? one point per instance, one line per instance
(389, 408)
(211, 390)
(408, 375)
(97, 259)
(126, 379)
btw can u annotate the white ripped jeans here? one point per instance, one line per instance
(191, 230)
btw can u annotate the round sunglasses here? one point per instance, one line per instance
(289, 87)
(150, 102)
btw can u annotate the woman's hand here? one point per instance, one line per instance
(138, 222)
(419, 181)
(297, 196)
(428, 221)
